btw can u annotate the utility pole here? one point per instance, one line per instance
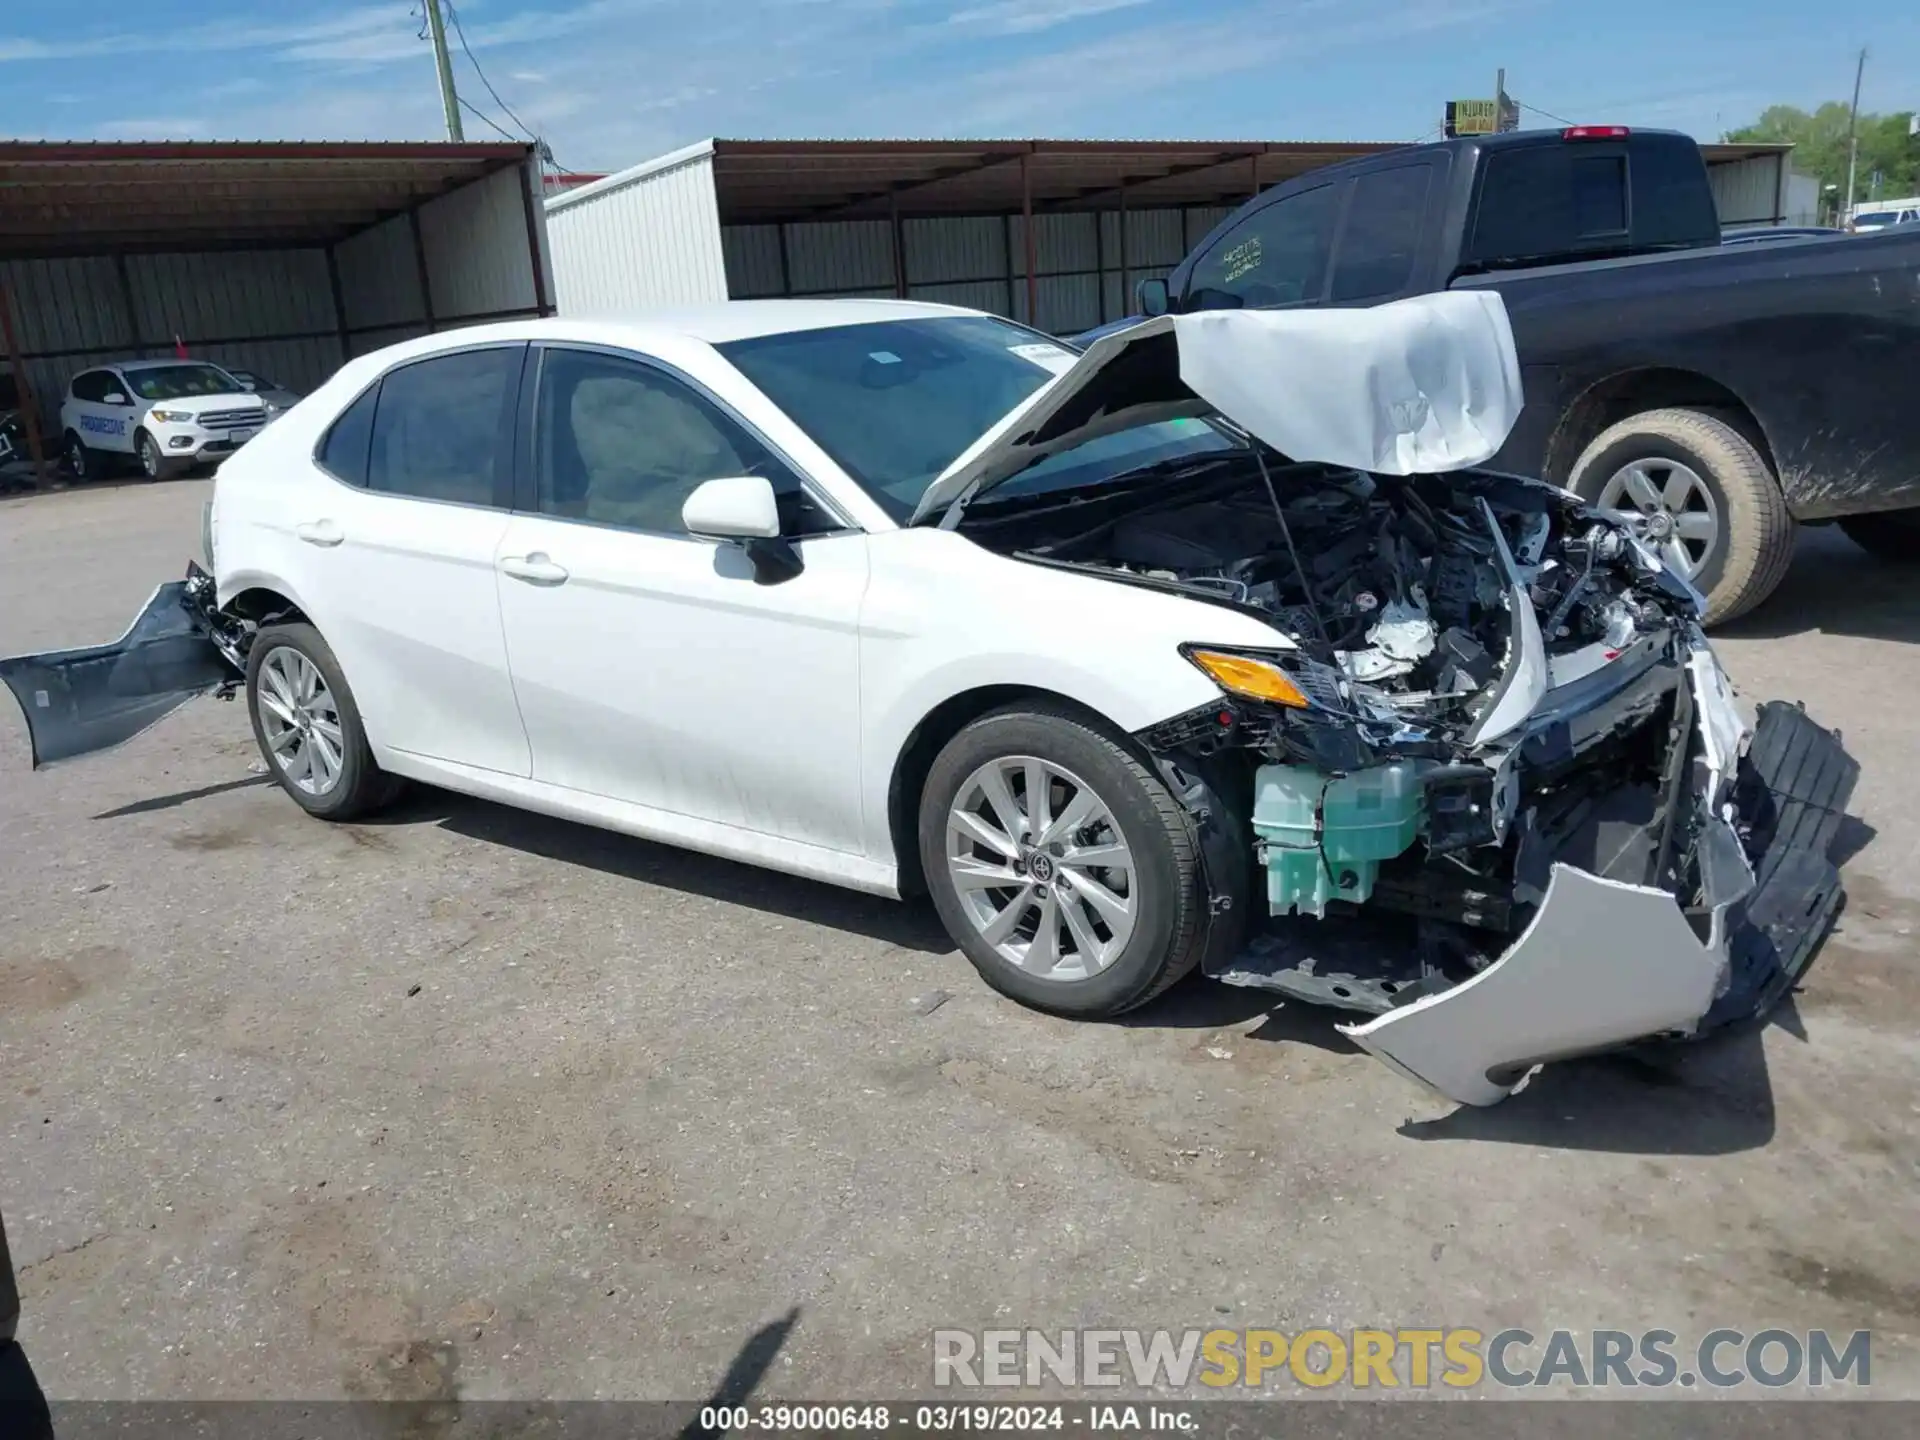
(1853, 131)
(443, 62)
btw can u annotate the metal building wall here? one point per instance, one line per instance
(467, 257)
(647, 236)
(277, 311)
(1752, 191)
(974, 260)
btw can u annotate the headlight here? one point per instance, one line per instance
(172, 417)
(1247, 675)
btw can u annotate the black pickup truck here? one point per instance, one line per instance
(1720, 394)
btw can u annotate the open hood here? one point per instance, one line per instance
(1419, 386)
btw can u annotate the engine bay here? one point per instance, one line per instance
(1398, 591)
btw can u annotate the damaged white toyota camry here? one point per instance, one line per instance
(1205, 649)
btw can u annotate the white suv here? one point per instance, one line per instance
(168, 414)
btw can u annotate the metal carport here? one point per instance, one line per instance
(286, 258)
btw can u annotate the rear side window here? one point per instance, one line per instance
(1276, 256)
(1382, 233)
(437, 431)
(343, 453)
(1544, 201)
(1561, 200)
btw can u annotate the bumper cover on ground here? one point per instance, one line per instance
(1605, 964)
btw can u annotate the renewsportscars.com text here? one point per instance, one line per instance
(1362, 1359)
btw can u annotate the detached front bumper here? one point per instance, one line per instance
(1604, 964)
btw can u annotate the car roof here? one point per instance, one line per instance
(171, 360)
(724, 321)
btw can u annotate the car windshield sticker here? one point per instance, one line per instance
(883, 357)
(1048, 357)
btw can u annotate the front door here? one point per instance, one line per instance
(654, 667)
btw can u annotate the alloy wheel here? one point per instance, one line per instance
(300, 720)
(1668, 505)
(1041, 868)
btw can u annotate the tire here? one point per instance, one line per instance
(79, 458)
(1160, 884)
(153, 464)
(1749, 555)
(356, 786)
(1889, 535)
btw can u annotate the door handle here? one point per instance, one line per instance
(535, 569)
(319, 532)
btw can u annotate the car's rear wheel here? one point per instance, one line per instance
(308, 726)
(1701, 494)
(79, 457)
(1888, 535)
(1060, 864)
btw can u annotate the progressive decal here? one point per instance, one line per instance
(101, 425)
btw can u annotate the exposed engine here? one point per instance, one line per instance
(1396, 589)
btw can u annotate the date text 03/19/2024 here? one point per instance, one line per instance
(946, 1419)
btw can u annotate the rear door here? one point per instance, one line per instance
(397, 535)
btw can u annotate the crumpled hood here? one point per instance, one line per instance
(1424, 385)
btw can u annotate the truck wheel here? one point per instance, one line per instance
(1702, 494)
(1060, 864)
(308, 726)
(1889, 535)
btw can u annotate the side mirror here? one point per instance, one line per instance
(738, 508)
(114, 397)
(1154, 297)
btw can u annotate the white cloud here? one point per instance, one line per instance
(195, 128)
(1022, 17)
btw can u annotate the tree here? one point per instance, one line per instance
(1820, 146)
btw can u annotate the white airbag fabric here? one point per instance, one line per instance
(1419, 386)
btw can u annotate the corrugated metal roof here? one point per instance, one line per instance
(65, 197)
(797, 180)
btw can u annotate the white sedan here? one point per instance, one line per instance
(1173, 654)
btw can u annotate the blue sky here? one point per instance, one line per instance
(611, 82)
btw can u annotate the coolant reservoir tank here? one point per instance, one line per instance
(1325, 838)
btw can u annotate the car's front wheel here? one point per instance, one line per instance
(153, 464)
(308, 726)
(1060, 863)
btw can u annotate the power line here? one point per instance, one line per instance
(1560, 119)
(485, 119)
(461, 31)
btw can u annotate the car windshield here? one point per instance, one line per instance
(178, 382)
(894, 403)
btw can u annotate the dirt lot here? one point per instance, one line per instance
(470, 1102)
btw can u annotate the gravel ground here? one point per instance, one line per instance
(469, 1102)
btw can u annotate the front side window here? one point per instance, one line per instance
(92, 386)
(896, 402)
(624, 445)
(437, 428)
(1276, 256)
(180, 382)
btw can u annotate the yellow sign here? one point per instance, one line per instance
(1473, 117)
